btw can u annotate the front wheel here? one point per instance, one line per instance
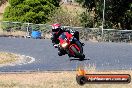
(82, 57)
(76, 52)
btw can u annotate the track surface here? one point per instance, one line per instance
(103, 56)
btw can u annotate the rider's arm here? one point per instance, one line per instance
(68, 30)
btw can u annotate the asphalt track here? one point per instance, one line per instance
(102, 56)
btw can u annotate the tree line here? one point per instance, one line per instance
(32, 11)
(118, 13)
(2, 2)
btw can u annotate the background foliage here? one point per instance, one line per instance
(118, 13)
(65, 17)
(2, 2)
(32, 11)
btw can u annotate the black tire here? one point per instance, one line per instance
(76, 35)
(75, 51)
(81, 80)
(82, 57)
(79, 45)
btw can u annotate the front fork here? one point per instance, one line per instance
(78, 43)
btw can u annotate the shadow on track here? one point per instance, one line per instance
(78, 59)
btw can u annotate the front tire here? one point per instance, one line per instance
(82, 57)
(79, 45)
(75, 51)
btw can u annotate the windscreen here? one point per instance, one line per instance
(62, 36)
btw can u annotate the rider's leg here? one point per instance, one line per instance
(78, 39)
(76, 35)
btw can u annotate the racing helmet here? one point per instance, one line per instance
(56, 27)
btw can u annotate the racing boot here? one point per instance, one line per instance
(60, 53)
(82, 44)
(69, 55)
(56, 45)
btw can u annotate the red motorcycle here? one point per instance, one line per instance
(70, 45)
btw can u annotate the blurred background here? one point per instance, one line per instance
(108, 21)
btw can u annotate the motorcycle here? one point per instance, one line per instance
(71, 46)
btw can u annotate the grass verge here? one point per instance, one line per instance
(54, 80)
(7, 58)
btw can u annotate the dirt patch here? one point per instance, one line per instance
(73, 9)
(7, 58)
(54, 80)
(11, 59)
(13, 34)
(2, 8)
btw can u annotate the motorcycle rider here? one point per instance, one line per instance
(57, 30)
